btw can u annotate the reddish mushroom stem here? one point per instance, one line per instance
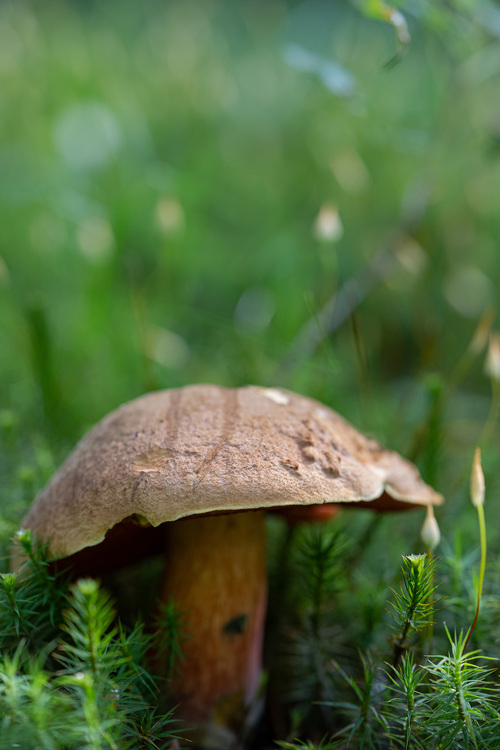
(215, 573)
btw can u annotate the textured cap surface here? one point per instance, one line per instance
(205, 449)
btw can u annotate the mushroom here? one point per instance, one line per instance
(204, 463)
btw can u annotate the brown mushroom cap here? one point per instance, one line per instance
(204, 449)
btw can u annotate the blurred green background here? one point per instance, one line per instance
(250, 191)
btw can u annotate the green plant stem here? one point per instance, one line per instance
(411, 607)
(430, 627)
(482, 535)
(442, 396)
(492, 418)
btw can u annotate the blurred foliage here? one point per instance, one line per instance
(238, 192)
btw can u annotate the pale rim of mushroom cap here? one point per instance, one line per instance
(204, 449)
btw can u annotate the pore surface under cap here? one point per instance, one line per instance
(204, 449)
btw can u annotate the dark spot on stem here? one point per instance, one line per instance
(236, 625)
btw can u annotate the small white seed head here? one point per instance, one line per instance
(430, 534)
(328, 225)
(477, 480)
(492, 362)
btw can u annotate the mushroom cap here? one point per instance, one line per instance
(203, 449)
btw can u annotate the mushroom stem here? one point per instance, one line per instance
(215, 573)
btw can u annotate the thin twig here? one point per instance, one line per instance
(336, 311)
